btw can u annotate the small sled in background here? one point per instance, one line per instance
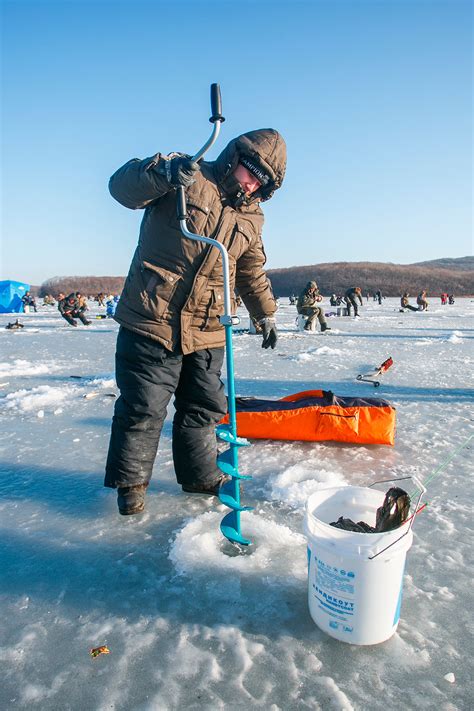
(372, 377)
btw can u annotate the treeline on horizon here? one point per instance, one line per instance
(390, 279)
(332, 278)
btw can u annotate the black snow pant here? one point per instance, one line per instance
(351, 302)
(148, 375)
(70, 317)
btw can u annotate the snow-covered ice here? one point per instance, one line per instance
(190, 624)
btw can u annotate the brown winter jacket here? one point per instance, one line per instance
(174, 289)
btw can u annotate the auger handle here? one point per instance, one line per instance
(216, 104)
(216, 119)
(181, 203)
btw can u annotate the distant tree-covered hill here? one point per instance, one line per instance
(455, 276)
(391, 279)
(464, 264)
(87, 285)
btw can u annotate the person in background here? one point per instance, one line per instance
(422, 301)
(451, 299)
(353, 293)
(110, 308)
(307, 306)
(29, 301)
(171, 340)
(48, 300)
(378, 295)
(444, 299)
(82, 302)
(70, 309)
(333, 300)
(405, 304)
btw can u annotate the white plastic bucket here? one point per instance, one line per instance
(355, 580)
(301, 323)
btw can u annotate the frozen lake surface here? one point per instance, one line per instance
(188, 625)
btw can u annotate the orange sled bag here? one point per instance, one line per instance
(316, 416)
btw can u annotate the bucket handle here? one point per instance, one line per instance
(422, 491)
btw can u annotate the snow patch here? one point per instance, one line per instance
(20, 367)
(276, 549)
(296, 483)
(40, 398)
(310, 354)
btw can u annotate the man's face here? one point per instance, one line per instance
(247, 180)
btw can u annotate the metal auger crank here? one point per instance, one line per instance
(227, 461)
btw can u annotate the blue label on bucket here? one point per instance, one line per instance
(333, 602)
(333, 588)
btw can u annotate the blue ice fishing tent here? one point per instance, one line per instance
(11, 293)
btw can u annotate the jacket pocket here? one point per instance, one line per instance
(197, 217)
(238, 244)
(211, 309)
(158, 287)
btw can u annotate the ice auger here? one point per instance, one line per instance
(227, 461)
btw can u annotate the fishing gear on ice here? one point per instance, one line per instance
(393, 512)
(316, 416)
(372, 377)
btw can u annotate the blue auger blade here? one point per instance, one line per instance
(229, 528)
(228, 436)
(225, 464)
(227, 496)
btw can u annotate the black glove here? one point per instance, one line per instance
(270, 334)
(182, 171)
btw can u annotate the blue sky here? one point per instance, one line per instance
(372, 97)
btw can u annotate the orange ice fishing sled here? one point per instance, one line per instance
(316, 416)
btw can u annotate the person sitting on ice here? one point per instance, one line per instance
(28, 300)
(451, 299)
(82, 301)
(353, 293)
(110, 307)
(14, 326)
(405, 304)
(421, 301)
(333, 300)
(306, 306)
(48, 300)
(70, 309)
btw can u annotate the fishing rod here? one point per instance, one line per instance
(447, 461)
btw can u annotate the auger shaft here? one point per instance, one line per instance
(227, 461)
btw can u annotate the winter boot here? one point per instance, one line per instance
(131, 499)
(325, 327)
(209, 489)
